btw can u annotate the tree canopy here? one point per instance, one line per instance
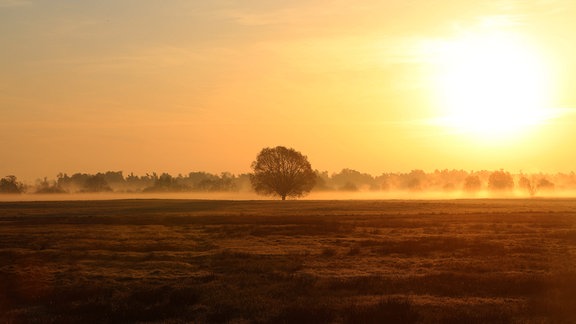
(282, 172)
(10, 184)
(500, 181)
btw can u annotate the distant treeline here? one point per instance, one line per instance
(115, 181)
(345, 180)
(446, 181)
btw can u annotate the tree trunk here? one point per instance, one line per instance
(283, 197)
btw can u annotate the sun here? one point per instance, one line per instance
(491, 85)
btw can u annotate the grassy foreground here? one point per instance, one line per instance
(177, 261)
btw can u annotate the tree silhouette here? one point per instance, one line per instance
(48, 187)
(166, 183)
(10, 185)
(96, 183)
(545, 184)
(352, 180)
(528, 185)
(472, 183)
(283, 172)
(500, 181)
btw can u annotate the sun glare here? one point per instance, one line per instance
(491, 85)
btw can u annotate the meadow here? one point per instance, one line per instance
(223, 261)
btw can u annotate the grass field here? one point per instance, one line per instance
(177, 261)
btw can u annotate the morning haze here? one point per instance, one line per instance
(155, 155)
(194, 85)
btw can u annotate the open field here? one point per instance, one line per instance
(172, 261)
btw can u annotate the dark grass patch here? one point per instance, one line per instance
(305, 313)
(557, 301)
(354, 250)
(112, 304)
(328, 252)
(485, 284)
(142, 304)
(387, 310)
(315, 229)
(567, 236)
(443, 284)
(230, 262)
(472, 314)
(427, 245)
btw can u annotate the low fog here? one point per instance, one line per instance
(347, 184)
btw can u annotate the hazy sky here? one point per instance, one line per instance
(188, 85)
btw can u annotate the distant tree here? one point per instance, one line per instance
(500, 181)
(10, 185)
(472, 183)
(115, 179)
(211, 182)
(48, 187)
(449, 187)
(73, 183)
(352, 180)
(240, 182)
(166, 183)
(96, 183)
(348, 186)
(322, 181)
(282, 172)
(545, 184)
(446, 180)
(62, 179)
(413, 181)
(527, 185)
(383, 181)
(227, 182)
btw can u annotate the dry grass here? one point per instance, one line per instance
(176, 261)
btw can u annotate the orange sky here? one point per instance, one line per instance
(178, 86)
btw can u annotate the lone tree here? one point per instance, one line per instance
(283, 172)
